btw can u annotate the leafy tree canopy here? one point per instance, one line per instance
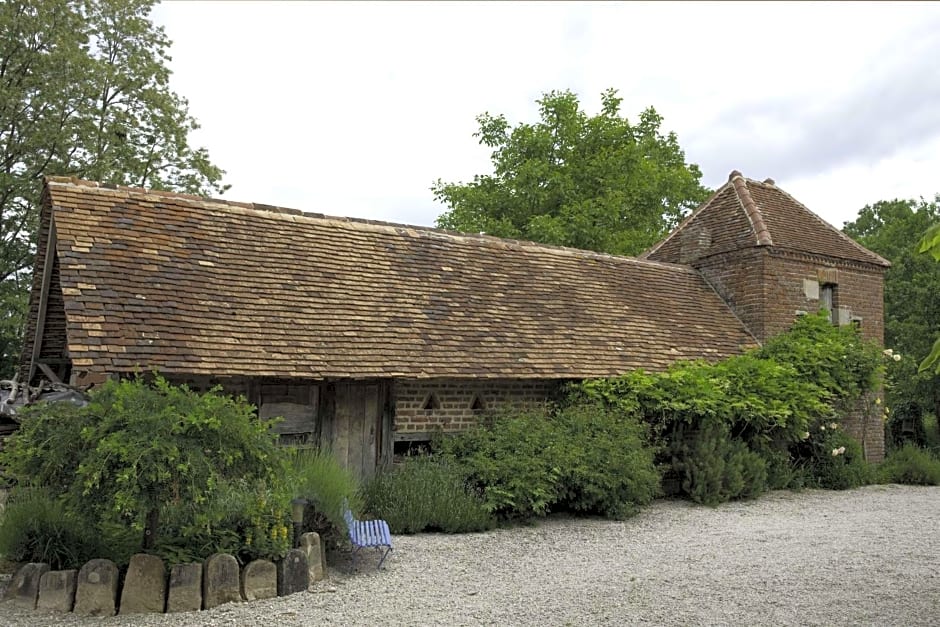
(83, 92)
(591, 182)
(912, 312)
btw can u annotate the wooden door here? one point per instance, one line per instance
(356, 434)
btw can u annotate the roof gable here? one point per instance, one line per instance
(189, 285)
(745, 213)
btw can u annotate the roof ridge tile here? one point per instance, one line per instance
(753, 212)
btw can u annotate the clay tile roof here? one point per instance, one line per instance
(745, 213)
(189, 285)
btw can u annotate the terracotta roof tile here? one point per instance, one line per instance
(745, 213)
(186, 284)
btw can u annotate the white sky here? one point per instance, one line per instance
(356, 108)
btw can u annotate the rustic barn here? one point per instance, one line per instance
(368, 336)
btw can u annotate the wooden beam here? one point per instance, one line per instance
(43, 299)
(46, 370)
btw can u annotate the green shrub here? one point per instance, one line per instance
(426, 493)
(715, 468)
(735, 428)
(932, 433)
(782, 473)
(832, 459)
(606, 465)
(910, 465)
(511, 459)
(247, 519)
(146, 456)
(35, 527)
(316, 475)
(585, 457)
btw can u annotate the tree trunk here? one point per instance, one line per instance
(150, 529)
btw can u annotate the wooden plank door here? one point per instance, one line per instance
(357, 425)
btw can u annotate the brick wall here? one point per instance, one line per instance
(454, 400)
(792, 283)
(738, 277)
(871, 437)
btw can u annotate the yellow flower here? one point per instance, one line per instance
(877, 400)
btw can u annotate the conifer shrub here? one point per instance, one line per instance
(714, 468)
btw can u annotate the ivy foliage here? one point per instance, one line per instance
(732, 429)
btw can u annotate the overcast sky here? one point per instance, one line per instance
(356, 108)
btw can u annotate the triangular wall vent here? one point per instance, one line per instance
(431, 402)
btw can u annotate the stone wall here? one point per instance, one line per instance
(428, 405)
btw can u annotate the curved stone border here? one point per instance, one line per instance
(94, 590)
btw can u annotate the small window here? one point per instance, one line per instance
(828, 300)
(411, 448)
(477, 405)
(431, 403)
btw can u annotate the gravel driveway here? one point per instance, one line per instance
(862, 557)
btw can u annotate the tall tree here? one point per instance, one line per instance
(912, 310)
(83, 92)
(597, 183)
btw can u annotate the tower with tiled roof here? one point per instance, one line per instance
(772, 259)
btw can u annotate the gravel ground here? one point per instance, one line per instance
(862, 557)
